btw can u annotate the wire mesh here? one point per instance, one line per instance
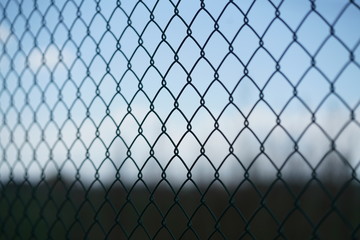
(167, 119)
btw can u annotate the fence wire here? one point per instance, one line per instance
(179, 119)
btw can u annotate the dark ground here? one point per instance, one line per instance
(256, 210)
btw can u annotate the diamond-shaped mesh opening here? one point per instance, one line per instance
(179, 119)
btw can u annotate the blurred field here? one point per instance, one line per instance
(56, 209)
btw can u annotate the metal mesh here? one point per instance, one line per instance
(179, 119)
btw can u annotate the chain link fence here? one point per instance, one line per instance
(165, 119)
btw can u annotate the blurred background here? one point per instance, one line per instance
(105, 104)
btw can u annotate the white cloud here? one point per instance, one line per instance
(4, 33)
(313, 147)
(49, 57)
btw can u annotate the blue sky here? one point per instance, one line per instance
(82, 54)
